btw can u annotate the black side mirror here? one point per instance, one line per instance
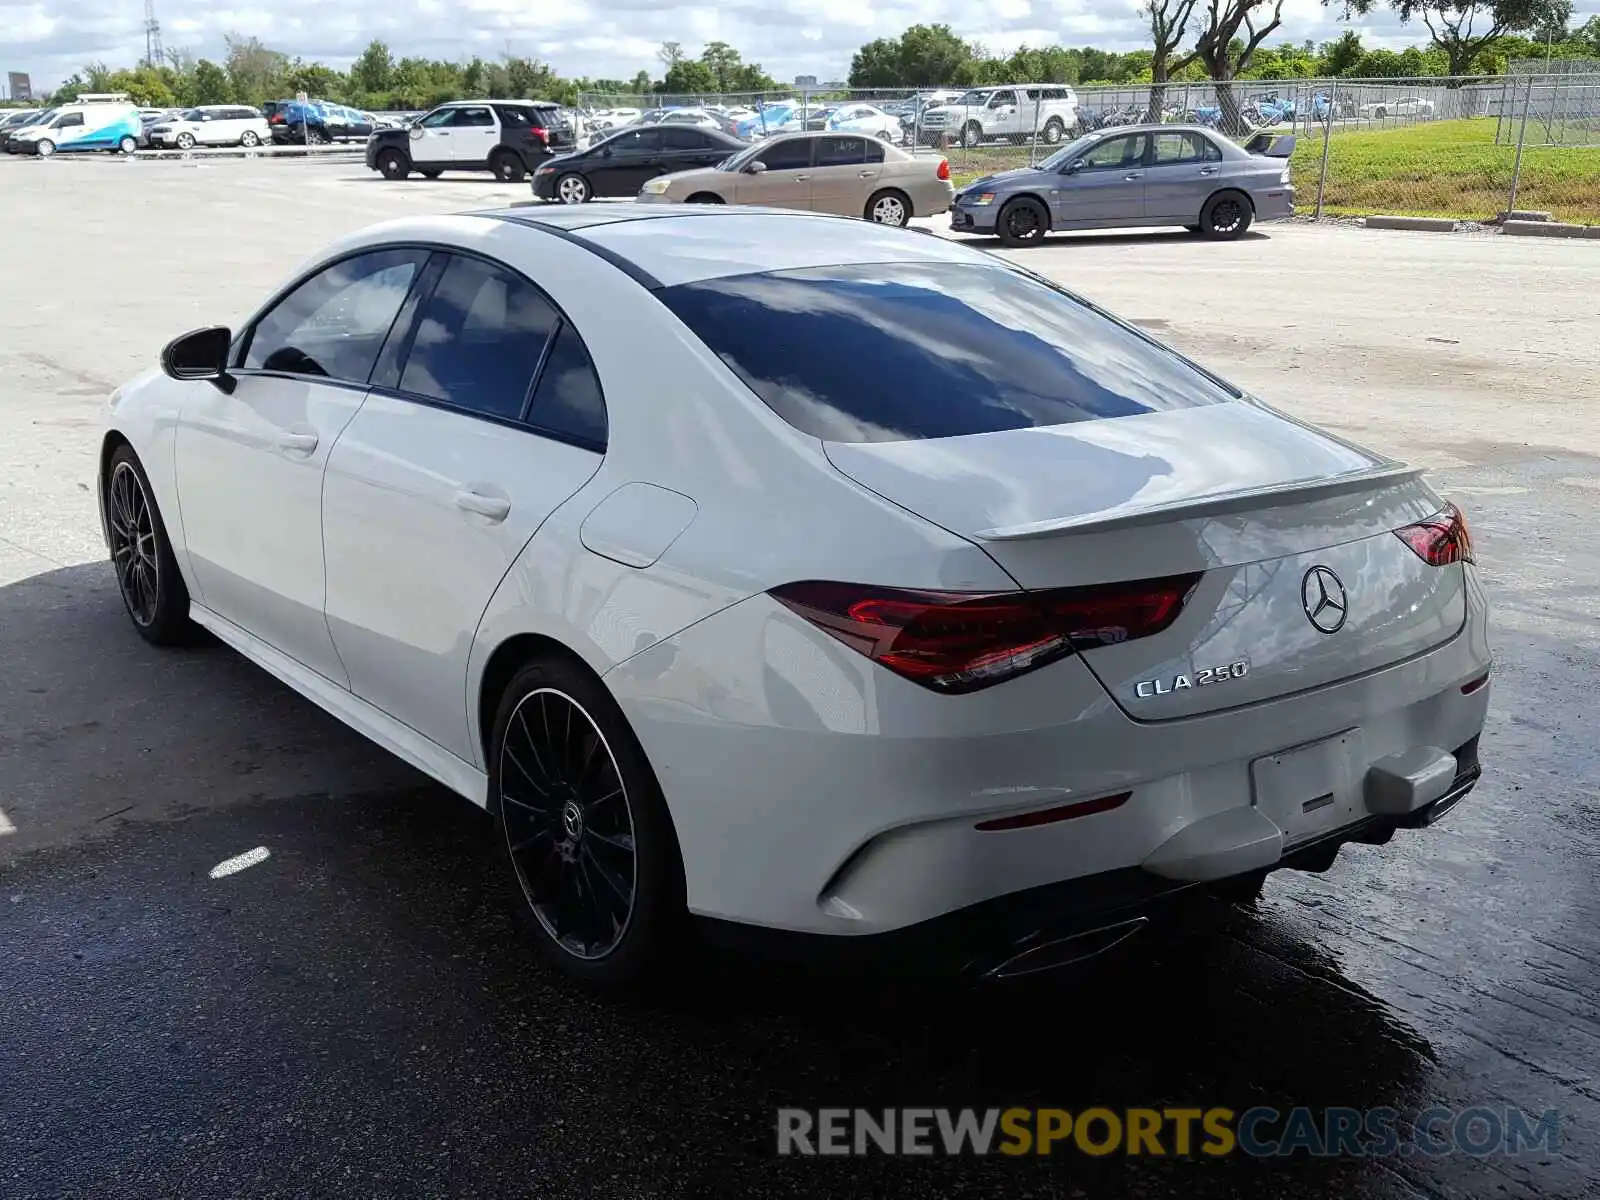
(200, 354)
(1073, 167)
(755, 168)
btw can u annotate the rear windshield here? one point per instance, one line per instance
(889, 352)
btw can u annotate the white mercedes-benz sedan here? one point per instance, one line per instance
(832, 585)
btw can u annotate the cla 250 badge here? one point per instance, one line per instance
(1148, 689)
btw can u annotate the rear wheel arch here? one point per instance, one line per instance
(509, 657)
(705, 198)
(1243, 195)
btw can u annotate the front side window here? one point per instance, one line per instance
(1001, 99)
(636, 141)
(931, 350)
(68, 120)
(438, 119)
(333, 325)
(791, 154)
(479, 340)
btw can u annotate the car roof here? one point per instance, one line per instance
(663, 246)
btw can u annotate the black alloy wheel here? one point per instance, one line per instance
(584, 827)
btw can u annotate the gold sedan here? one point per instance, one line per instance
(848, 174)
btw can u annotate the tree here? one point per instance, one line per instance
(1464, 29)
(255, 72)
(689, 76)
(1168, 21)
(670, 54)
(876, 65)
(931, 56)
(1225, 54)
(209, 83)
(1339, 56)
(144, 85)
(374, 70)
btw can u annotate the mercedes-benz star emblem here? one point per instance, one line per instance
(1322, 596)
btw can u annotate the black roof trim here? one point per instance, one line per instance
(626, 265)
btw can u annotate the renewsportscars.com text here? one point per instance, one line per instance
(1154, 1132)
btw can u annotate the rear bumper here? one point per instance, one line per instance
(812, 791)
(1052, 925)
(1274, 204)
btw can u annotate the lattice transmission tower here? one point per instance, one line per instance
(153, 54)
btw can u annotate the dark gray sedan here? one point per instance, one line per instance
(1135, 176)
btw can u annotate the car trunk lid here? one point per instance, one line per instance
(1274, 516)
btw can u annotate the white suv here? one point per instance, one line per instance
(212, 125)
(1012, 113)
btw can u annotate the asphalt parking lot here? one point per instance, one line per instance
(359, 1013)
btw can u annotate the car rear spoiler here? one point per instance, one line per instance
(1271, 495)
(1271, 145)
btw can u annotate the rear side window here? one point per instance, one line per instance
(888, 352)
(480, 338)
(841, 151)
(567, 399)
(685, 139)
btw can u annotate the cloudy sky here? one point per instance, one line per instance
(49, 39)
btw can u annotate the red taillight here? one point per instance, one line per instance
(956, 642)
(275, 119)
(1049, 816)
(944, 169)
(1441, 539)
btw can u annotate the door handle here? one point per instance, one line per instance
(495, 508)
(801, 178)
(866, 174)
(302, 443)
(1208, 170)
(1134, 175)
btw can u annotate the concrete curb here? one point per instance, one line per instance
(1549, 229)
(1426, 224)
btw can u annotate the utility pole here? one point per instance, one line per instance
(153, 53)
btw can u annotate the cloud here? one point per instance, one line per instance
(50, 39)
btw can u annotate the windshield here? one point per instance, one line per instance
(44, 118)
(1069, 152)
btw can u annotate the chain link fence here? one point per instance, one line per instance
(1461, 147)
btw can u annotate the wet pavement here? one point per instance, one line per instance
(360, 1012)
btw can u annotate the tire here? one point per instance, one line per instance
(127, 145)
(1022, 222)
(1053, 129)
(971, 135)
(186, 141)
(1380, 112)
(888, 207)
(393, 165)
(1225, 216)
(705, 198)
(507, 167)
(573, 188)
(888, 137)
(588, 844)
(249, 139)
(44, 147)
(141, 554)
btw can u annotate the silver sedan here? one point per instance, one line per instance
(1135, 176)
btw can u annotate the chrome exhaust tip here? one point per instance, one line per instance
(1068, 951)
